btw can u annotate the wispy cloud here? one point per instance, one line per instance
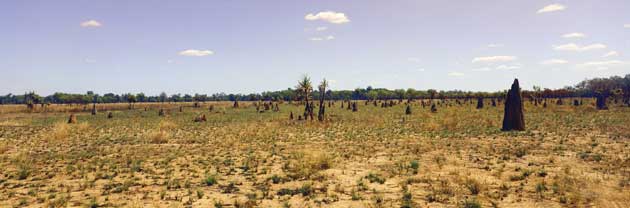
(612, 53)
(321, 28)
(482, 69)
(552, 8)
(328, 16)
(455, 74)
(494, 45)
(508, 67)
(577, 48)
(91, 23)
(554, 62)
(492, 59)
(574, 35)
(330, 37)
(626, 26)
(195, 52)
(600, 65)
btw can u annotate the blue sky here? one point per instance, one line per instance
(240, 46)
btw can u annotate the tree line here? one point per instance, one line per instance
(614, 86)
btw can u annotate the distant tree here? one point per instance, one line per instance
(322, 97)
(131, 99)
(304, 89)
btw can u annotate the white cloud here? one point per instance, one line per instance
(577, 48)
(552, 8)
(91, 23)
(89, 61)
(508, 67)
(194, 52)
(455, 74)
(601, 65)
(626, 26)
(554, 62)
(328, 16)
(490, 59)
(494, 45)
(574, 35)
(420, 70)
(612, 53)
(321, 28)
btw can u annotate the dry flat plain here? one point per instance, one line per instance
(570, 156)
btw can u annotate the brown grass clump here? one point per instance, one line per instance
(304, 164)
(158, 137)
(167, 125)
(60, 130)
(4, 148)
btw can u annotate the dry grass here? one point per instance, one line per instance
(60, 130)
(376, 157)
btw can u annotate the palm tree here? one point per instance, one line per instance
(304, 89)
(322, 95)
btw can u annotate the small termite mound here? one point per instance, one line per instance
(200, 118)
(72, 119)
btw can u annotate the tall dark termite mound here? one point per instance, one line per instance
(433, 108)
(479, 103)
(235, 104)
(354, 107)
(408, 110)
(513, 116)
(94, 105)
(110, 115)
(600, 103)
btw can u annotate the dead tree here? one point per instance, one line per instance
(513, 118)
(322, 97)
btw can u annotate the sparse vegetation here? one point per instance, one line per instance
(456, 156)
